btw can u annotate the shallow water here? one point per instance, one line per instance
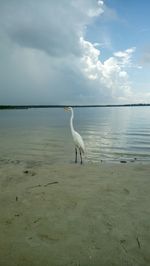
(43, 135)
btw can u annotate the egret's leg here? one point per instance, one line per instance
(75, 155)
(81, 156)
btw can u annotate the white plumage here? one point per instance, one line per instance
(78, 141)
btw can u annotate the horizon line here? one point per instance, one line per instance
(72, 105)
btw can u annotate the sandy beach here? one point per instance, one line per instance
(67, 214)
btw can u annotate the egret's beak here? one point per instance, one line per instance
(66, 109)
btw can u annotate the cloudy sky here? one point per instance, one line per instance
(74, 51)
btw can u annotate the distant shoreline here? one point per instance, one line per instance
(3, 107)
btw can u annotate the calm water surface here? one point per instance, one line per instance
(43, 135)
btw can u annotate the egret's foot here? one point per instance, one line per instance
(75, 155)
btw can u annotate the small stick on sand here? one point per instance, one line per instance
(51, 183)
(139, 245)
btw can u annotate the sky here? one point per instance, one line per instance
(74, 51)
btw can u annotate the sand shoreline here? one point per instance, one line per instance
(67, 214)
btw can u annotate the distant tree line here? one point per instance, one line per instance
(2, 107)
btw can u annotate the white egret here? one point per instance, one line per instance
(78, 141)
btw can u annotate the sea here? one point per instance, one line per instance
(43, 135)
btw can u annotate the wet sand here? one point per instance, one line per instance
(67, 214)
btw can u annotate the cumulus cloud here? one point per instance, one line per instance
(110, 74)
(45, 58)
(125, 57)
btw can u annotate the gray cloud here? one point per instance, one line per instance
(40, 50)
(46, 25)
(46, 60)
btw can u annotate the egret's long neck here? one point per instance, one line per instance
(71, 121)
